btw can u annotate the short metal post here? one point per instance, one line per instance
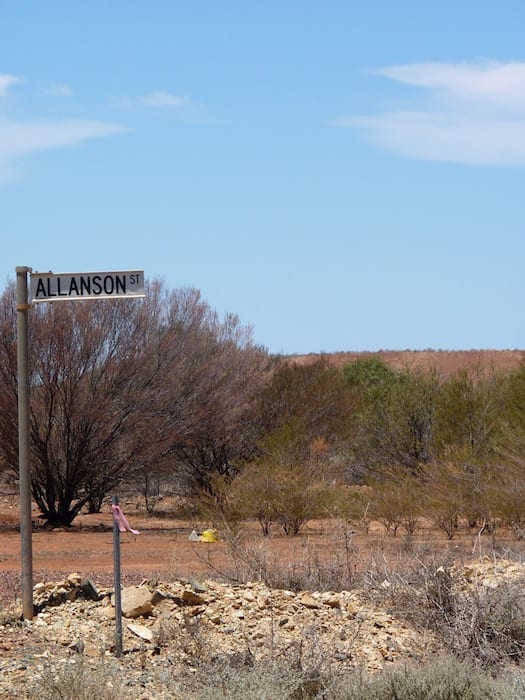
(24, 466)
(117, 585)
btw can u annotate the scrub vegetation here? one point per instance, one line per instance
(161, 393)
(134, 393)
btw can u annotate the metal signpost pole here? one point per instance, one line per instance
(117, 586)
(22, 308)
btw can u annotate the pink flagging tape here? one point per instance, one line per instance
(122, 521)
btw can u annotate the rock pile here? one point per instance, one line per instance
(190, 622)
(186, 623)
(488, 572)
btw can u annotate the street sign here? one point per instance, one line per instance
(46, 286)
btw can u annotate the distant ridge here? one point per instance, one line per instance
(444, 362)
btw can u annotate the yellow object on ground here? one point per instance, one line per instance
(209, 536)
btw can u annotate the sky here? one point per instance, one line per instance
(342, 175)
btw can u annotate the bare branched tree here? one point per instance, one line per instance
(208, 405)
(123, 386)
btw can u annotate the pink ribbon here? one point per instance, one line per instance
(122, 521)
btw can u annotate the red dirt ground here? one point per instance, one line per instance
(163, 550)
(162, 547)
(445, 362)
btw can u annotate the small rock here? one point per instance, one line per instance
(309, 601)
(333, 601)
(192, 598)
(135, 601)
(141, 631)
(89, 590)
(197, 586)
(78, 646)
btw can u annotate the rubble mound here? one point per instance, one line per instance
(185, 623)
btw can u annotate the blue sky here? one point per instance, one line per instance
(341, 175)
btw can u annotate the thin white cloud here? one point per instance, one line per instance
(22, 138)
(7, 81)
(447, 138)
(18, 139)
(152, 100)
(60, 90)
(163, 99)
(476, 114)
(491, 82)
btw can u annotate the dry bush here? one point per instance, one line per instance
(10, 584)
(235, 678)
(314, 572)
(353, 505)
(489, 623)
(277, 494)
(481, 623)
(399, 500)
(479, 495)
(444, 678)
(220, 507)
(253, 559)
(227, 680)
(186, 638)
(76, 679)
(399, 584)
(447, 487)
(508, 495)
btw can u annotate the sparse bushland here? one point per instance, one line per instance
(396, 421)
(398, 500)
(445, 678)
(127, 392)
(287, 485)
(236, 678)
(480, 497)
(280, 496)
(508, 495)
(456, 496)
(479, 627)
(456, 492)
(253, 560)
